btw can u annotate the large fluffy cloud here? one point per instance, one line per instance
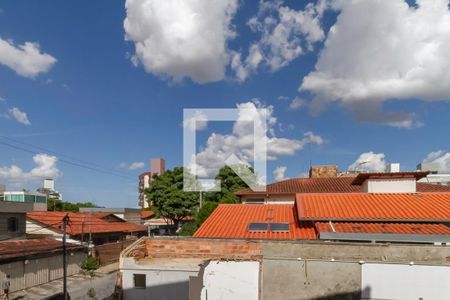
(441, 159)
(369, 162)
(46, 167)
(219, 147)
(285, 34)
(26, 60)
(181, 38)
(380, 50)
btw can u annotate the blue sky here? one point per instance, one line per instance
(100, 101)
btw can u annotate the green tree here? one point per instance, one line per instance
(168, 198)
(230, 183)
(58, 205)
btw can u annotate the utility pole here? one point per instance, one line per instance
(65, 222)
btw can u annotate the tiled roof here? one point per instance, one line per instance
(232, 220)
(327, 185)
(147, 214)
(82, 223)
(427, 207)
(396, 175)
(23, 248)
(383, 228)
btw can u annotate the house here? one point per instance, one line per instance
(13, 218)
(387, 208)
(382, 236)
(284, 192)
(100, 228)
(131, 215)
(37, 261)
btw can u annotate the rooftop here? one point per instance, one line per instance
(328, 185)
(82, 222)
(25, 248)
(232, 221)
(422, 207)
(395, 175)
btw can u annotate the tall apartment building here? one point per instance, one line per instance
(157, 167)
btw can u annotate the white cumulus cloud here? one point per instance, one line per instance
(20, 116)
(181, 38)
(441, 159)
(380, 50)
(279, 172)
(26, 60)
(296, 103)
(285, 35)
(197, 122)
(219, 147)
(136, 166)
(46, 167)
(369, 162)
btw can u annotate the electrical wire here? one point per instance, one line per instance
(69, 162)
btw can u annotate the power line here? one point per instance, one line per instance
(59, 154)
(69, 162)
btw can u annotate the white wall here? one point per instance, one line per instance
(272, 200)
(391, 281)
(391, 186)
(231, 280)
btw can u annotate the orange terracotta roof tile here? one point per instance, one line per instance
(327, 185)
(23, 248)
(232, 220)
(147, 214)
(426, 207)
(82, 222)
(383, 228)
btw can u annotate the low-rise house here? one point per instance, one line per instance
(284, 192)
(387, 208)
(131, 215)
(37, 261)
(13, 218)
(99, 228)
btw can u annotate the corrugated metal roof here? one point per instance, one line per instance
(82, 223)
(22, 248)
(327, 185)
(232, 221)
(427, 207)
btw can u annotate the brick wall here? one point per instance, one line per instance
(202, 248)
(109, 253)
(322, 171)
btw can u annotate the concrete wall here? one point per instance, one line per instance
(384, 281)
(4, 232)
(286, 199)
(293, 279)
(391, 186)
(238, 280)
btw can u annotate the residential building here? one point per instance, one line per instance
(131, 215)
(157, 167)
(203, 268)
(13, 218)
(284, 192)
(37, 261)
(95, 228)
(434, 176)
(25, 196)
(380, 236)
(49, 190)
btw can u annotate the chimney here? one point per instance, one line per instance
(323, 171)
(158, 166)
(393, 168)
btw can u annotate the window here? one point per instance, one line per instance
(279, 227)
(256, 227)
(139, 281)
(13, 224)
